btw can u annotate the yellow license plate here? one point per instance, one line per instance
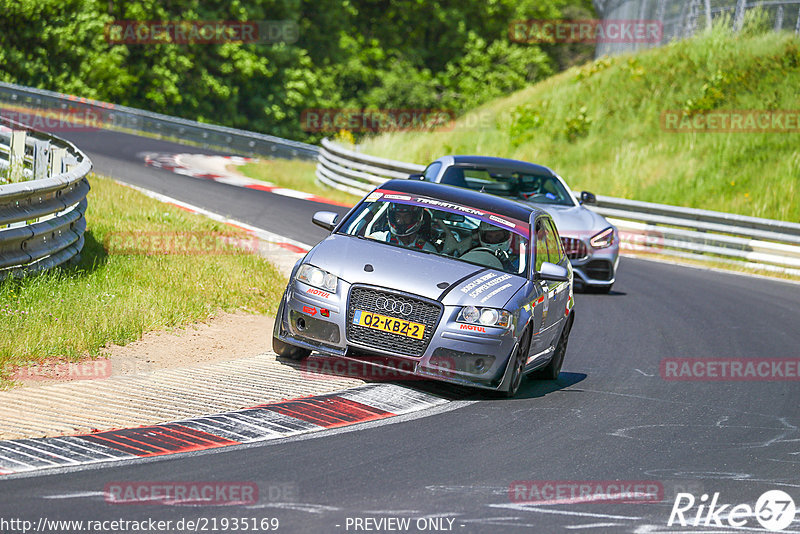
(389, 324)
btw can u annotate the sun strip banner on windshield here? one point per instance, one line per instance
(515, 225)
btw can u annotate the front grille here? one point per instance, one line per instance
(423, 312)
(574, 248)
(599, 270)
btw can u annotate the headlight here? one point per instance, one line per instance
(314, 276)
(603, 239)
(484, 316)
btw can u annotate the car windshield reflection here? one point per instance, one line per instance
(475, 239)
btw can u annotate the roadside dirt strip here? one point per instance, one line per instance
(157, 396)
(259, 423)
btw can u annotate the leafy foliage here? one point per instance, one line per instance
(603, 126)
(408, 54)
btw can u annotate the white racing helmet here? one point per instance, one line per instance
(493, 237)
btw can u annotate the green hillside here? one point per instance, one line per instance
(600, 126)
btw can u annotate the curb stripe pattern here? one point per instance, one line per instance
(369, 402)
(158, 440)
(329, 412)
(173, 163)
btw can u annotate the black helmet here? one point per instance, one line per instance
(530, 186)
(404, 220)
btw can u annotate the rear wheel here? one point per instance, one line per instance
(517, 363)
(290, 352)
(553, 369)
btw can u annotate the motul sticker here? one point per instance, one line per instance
(472, 327)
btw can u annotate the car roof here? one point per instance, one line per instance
(466, 197)
(503, 163)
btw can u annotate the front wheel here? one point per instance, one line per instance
(290, 352)
(517, 363)
(553, 369)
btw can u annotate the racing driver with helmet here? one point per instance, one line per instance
(407, 228)
(405, 225)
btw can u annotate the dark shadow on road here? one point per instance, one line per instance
(322, 367)
(532, 388)
(599, 291)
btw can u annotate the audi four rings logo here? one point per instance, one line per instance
(395, 306)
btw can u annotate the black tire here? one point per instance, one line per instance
(290, 352)
(517, 363)
(553, 369)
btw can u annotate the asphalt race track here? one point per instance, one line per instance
(610, 417)
(119, 156)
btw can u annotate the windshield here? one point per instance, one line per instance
(541, 189)
(444, 229)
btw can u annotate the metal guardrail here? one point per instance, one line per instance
(42, 207)
(358, 173)
(111, 116)
(644, 226)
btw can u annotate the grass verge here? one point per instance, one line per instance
(71, 312)
(294, 174)
(600, 126)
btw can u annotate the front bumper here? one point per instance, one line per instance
(595, 267)
(471, 355)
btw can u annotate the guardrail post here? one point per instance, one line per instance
(779, 19)
(690, 26)
(16, 156)
(69, 162)
(797, 24)
(738, 15)
(41, 159)
(57, 160)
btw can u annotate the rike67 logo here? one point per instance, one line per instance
(774, 510)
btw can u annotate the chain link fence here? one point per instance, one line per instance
(683, 18)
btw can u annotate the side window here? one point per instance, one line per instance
(432, 171)
(541, 245)
(554, 244)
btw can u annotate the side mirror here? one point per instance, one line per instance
(416, 177)
(325, 219)
(552, 272)
(588, 198)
